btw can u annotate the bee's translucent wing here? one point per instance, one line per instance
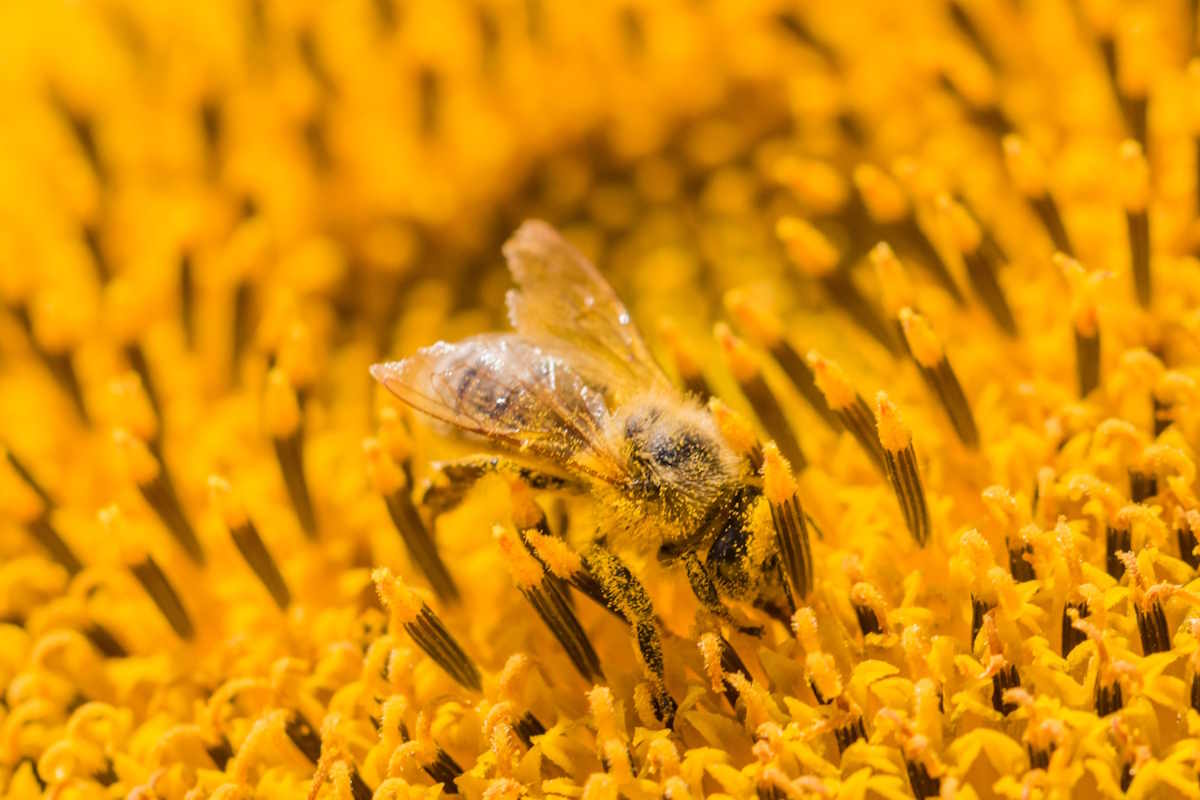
(564, 305)
(510, 393)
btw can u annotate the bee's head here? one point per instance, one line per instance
(675, 457)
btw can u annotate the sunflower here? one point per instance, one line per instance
(932, 266)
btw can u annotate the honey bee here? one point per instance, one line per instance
(574, 396)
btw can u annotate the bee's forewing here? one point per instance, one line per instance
(564, 305)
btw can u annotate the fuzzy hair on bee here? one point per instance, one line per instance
(573, 399)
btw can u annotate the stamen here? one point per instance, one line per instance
(1148, 609)
(1142, 485)
(387, 478)
(1133, 75)
(148, 573)
(1085, 289)
(766, 406)
(301, 733)
(901, 462)
(249, 246)
(972, 84)
(939, 375)
(147, 473)
(1186, 526)
(966, 26)
(248, 541)
(982, 257)
(815, 256)
(1003, 672)
(979, 610)
(546, 594)
(23, 499)
(53, 332)
(527, 727)
(1117, 540)
(187, 298)
(128, 406)
(409, 611)
(766, 331)
(853, 730)
(104, 641)
(124, 316)
(894, 214)
(869, 608)
(1028, 172)
(281, 411)
(847, 404)
(791, 533)
(1133, 181)
(1109, 698)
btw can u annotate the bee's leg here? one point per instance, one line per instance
(622, 590)
(451, 480)
(706, 592)
(779, 604)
